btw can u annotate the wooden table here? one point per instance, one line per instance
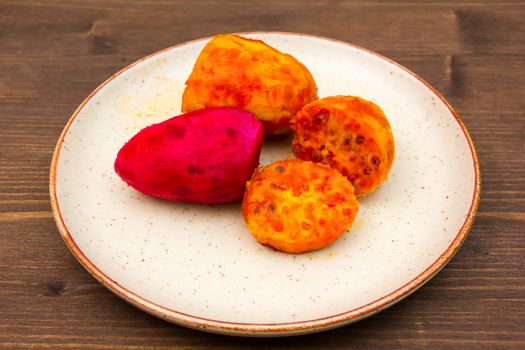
(53, 53)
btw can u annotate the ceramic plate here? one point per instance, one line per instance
(198, 265)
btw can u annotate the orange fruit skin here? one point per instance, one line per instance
(232, 71)
(348, 133)
(298, 206)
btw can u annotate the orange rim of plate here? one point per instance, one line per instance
(266, 329)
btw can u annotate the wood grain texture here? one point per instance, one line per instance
(53, 53)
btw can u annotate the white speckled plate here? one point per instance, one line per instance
(198, 265)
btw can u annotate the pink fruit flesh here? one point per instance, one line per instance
(205, 156)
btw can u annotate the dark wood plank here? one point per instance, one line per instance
(53, 53)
